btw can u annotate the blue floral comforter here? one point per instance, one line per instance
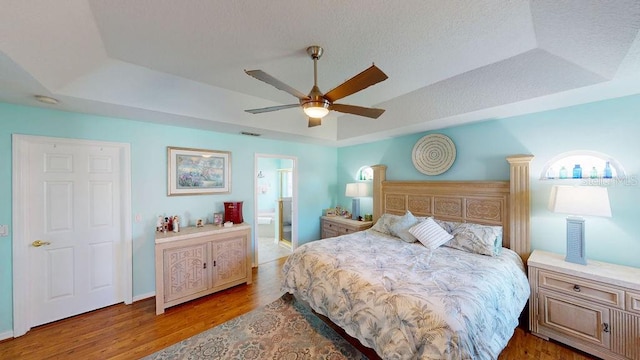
(408, 302)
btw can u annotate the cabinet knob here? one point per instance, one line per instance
(605, 327)
(576, 288)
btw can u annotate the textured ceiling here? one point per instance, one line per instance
(448, 62)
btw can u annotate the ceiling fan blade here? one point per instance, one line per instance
(368, 77)
(272, 108)
(314, 122)
(263, 76)
(357, 110)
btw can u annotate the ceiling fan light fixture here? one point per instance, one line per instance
(317, 105)
(316, 109)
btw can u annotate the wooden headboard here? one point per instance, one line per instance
(504, 203)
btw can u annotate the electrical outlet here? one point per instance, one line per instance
(4, 230)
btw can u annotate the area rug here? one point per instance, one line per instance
(284, 329)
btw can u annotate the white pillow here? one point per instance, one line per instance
(430, 234)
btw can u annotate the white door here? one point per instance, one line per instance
(74, 209)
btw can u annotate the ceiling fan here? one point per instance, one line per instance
(317, 105)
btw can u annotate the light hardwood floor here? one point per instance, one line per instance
(133, 331)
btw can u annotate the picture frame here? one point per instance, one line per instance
(330, 212)
(198, 171)
(217, 219)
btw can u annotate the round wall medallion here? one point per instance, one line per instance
(433, 154)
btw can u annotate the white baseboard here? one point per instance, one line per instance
(6, 335)
(144, 296)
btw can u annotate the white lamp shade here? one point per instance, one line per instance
(580, 200)
(356, 190)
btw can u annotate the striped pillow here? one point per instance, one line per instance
(430, 234)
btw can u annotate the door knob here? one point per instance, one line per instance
(39, 243)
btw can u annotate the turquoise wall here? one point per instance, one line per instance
(316, 171)
(611, 127)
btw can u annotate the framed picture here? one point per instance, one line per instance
(198, 172)
(217, 219)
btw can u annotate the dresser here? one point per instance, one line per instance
(336, 225)
(198, 261)
(593, 307)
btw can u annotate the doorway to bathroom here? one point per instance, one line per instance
(276, 207)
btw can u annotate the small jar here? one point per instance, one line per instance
(563, 172)
(607, 174)
(577, 172)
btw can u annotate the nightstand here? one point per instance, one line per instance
(335, 226)
(593, 307)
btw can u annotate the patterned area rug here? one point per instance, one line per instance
(284, 329)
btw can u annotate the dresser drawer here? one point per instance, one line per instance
(336, 226)
(333, 227)
(633, 303)
(346, 230)
(581, 288)
(329, 226)
(328, 233)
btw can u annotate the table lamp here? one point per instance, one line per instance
(577, 201)
(356, 191)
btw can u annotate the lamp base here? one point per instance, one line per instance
(575, 241)
(355, 208)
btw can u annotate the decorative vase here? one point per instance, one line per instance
(233, 212)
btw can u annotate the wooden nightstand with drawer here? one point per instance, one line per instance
(331, 226)
(593, 307)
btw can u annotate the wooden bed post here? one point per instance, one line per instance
(519, 205)
(379, 175)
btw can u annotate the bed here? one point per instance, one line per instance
(405, 300)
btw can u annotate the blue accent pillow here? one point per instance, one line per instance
(400, 226)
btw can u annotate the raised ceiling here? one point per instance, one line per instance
(449, 62)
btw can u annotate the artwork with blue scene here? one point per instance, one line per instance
(197, 171)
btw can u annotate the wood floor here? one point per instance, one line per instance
(133, 331)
